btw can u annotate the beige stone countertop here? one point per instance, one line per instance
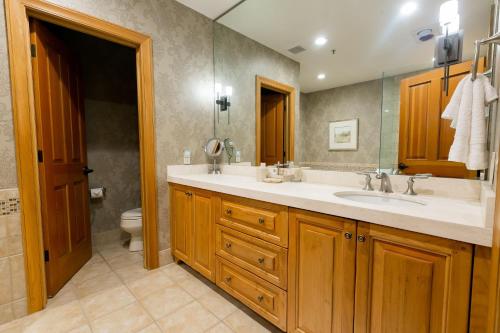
(457, 219)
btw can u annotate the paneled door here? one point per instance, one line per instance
(410, 283)
(62, 157)
(424, 138)
(321, 273)
(273, 128)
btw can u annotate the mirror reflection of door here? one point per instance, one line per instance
(273, 127)
(424, 138)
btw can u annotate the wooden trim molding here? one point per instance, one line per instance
(17, 16)
(289, 91)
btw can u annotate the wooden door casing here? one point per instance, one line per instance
(321, 273)
(424, 138)
(410, 283)
(273, 128)
(61, 142)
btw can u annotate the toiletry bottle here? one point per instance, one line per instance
(261, 172)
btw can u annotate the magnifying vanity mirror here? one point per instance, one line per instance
(213, 149)
(311, 85)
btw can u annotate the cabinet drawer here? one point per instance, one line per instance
(256, 218)
(261, 296)
(264, 259)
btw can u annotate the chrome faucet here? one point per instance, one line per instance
(385, 182)
(368, 180)
(411, 181)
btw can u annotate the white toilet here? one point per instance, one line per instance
(132, 223)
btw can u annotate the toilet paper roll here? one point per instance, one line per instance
(96, 193)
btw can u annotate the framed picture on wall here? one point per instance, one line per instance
(344, 135)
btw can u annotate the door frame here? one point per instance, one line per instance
(18, 13)
(289, 92)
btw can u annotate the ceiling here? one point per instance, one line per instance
(209, 8)
(371, 37)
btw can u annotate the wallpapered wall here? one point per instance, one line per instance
(238, 59)
(183, 72)
(362, 101)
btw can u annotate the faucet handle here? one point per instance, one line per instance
(368, 180)
(411, 181)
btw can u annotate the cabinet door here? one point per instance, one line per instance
(203, 258)
(181, 217)
(321, 273)
(410, 283)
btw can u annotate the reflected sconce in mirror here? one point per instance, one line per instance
(448, 49)
(223, 101)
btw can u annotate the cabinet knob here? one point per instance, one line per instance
(188, 194)
(260, 260)
(361, 238)
(229, 211)
(228, 279)
(228, 245)
(260, 298)
(261, 220)
(348, 235)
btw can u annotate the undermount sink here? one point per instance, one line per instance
(379, 199)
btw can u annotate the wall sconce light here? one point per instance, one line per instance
(448, 49)
(223, 101)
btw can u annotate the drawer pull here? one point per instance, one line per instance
(260, 260)
(260, 298)
(228, 279)
(228, 245)
(261, 220)
(229, 211)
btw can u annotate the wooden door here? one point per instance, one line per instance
(272, 128)
(203, 258)
(62, 157)
(321, 275)
(424, 138)
(410, 283)
(181, 219)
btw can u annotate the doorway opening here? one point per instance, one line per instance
(275, 121)
(71, 188)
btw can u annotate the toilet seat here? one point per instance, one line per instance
(132, 214)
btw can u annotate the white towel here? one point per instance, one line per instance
(466, 110)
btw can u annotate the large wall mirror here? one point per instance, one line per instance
(345, 85)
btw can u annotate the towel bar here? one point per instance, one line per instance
(495, 39)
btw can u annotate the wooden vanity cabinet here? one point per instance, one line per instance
(410, 283)
(308, 272)
(321, 273)
(192, 228)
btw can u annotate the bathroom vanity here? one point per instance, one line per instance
(308, 261)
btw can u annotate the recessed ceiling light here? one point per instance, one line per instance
(320, 41)
(321, 76)
(408, 8)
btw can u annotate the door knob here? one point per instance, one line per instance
(86, 170)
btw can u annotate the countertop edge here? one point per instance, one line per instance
(464, 233)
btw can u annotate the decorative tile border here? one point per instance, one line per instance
(10, 206)
(332, 166)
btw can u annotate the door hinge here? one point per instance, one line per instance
(46, 255)
(33, 50)
(40, 156)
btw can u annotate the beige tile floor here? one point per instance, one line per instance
(113, 293)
